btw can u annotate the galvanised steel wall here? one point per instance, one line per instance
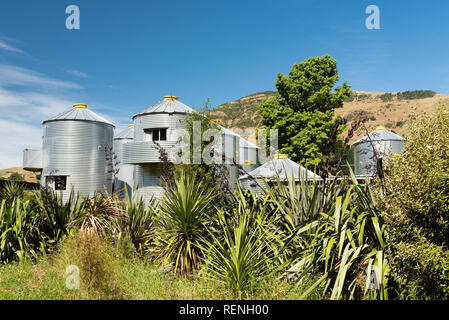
(257, 185)
(147, 172)
(78, 149)
(126, 171)
(175, 122)
(364, 159)
(145, 152)
(235, 148)
(146, 155)
(250, 158)
(147, 181)
(32, 160)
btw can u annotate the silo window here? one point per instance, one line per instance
(155, 134)
(60, 183)
(159, 134)
(56, 182)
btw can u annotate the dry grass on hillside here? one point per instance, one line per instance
(380, 109)
(28, 176)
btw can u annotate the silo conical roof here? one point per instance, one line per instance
(380, 134)
(79, 112)
(125, 134)
(169, 105)
(282, 167)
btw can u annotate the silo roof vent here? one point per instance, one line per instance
(171, 98)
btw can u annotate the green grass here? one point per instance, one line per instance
(132, 278)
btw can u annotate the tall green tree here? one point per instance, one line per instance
(304, 111)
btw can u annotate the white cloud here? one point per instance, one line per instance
(26, 99)
(78, 74)
(12, 75)
(29, 106)
(21, 115)
(8, 47)
(16, 137)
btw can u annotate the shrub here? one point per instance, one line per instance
(386, 97)
(11, 191)
(244, 251)
(342, 243)
(55, 213)
(359, 115)
(29, 227)
(137, 224)
(100, 214)
(97, 263)
(415, 197)
(417, 94)
(20, 236)
(15, 176)
(361, 97)
(236, 258)
(185, 214)
(400, 124)
(352, 97)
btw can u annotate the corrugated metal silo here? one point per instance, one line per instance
(162, 123)
(124, 177)
(239, 150)
(374, 146)
(32, 160)
(279, 167)
(77, 151)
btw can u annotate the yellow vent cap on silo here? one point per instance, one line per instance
(281, 156)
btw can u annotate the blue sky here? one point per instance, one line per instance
(128, 54)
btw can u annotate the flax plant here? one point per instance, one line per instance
(185, 215)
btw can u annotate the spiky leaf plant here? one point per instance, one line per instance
(182, 223)
(244, 250)
(11, 191)
(235, 258)
(138, 224)
(100, 214)
(20, 236)
(55, 213)
(344, 244)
